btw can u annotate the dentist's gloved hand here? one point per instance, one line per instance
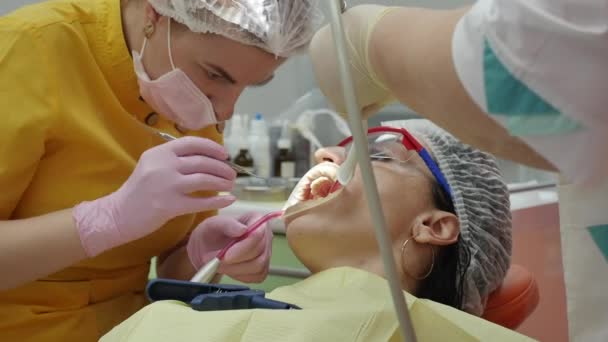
(247, 260)
(372, 93)
(158, 190)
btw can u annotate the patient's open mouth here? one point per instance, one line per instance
(317, 183)
(320, 187)
(313, 189)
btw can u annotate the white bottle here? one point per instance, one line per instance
(234, 133)
(259, 146)
(287, 163)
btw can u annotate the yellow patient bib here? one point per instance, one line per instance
(72, 129)
(341, 304)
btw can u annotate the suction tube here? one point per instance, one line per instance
(360, 143)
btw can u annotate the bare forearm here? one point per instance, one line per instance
(36, 247)
(411, 52)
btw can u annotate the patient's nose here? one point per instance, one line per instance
(332, 154)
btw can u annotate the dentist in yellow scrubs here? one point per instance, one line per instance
(89, 191)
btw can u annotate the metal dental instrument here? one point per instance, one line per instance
(360, 143)
(235, 167)
(207, 272)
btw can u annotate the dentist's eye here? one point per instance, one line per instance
(213, 76)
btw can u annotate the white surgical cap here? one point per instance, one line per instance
(481, 200)
(281, 27)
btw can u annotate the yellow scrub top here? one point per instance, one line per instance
(339, 304)
(72, 129)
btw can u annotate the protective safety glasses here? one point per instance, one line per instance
(388, 143)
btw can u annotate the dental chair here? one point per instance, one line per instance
(514, 300)
(508, 306)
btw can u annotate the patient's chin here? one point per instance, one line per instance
(296, 225)
(305, 232)
(307, 247)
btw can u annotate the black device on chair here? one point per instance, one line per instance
(212, 297)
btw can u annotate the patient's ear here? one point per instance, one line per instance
(436, 227)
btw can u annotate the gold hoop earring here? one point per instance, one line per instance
(148, 29)
(403, 262)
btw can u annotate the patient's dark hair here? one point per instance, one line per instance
(445, 283)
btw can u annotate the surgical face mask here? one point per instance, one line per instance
(174, 95)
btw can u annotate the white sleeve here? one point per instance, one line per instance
(557, 50)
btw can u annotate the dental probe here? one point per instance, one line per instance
(235, 167)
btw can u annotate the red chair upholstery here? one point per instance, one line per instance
(514, 300)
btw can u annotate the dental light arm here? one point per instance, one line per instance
(360, 143)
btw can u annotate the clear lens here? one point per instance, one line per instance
(386, 146)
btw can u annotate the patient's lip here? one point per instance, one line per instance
(301, 208)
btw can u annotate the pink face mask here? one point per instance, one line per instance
(174, 95)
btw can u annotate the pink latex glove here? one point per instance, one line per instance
(158, 190)
(247, 261)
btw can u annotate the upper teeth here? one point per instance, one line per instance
(314, 182)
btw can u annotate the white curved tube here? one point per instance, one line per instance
(373, 199)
